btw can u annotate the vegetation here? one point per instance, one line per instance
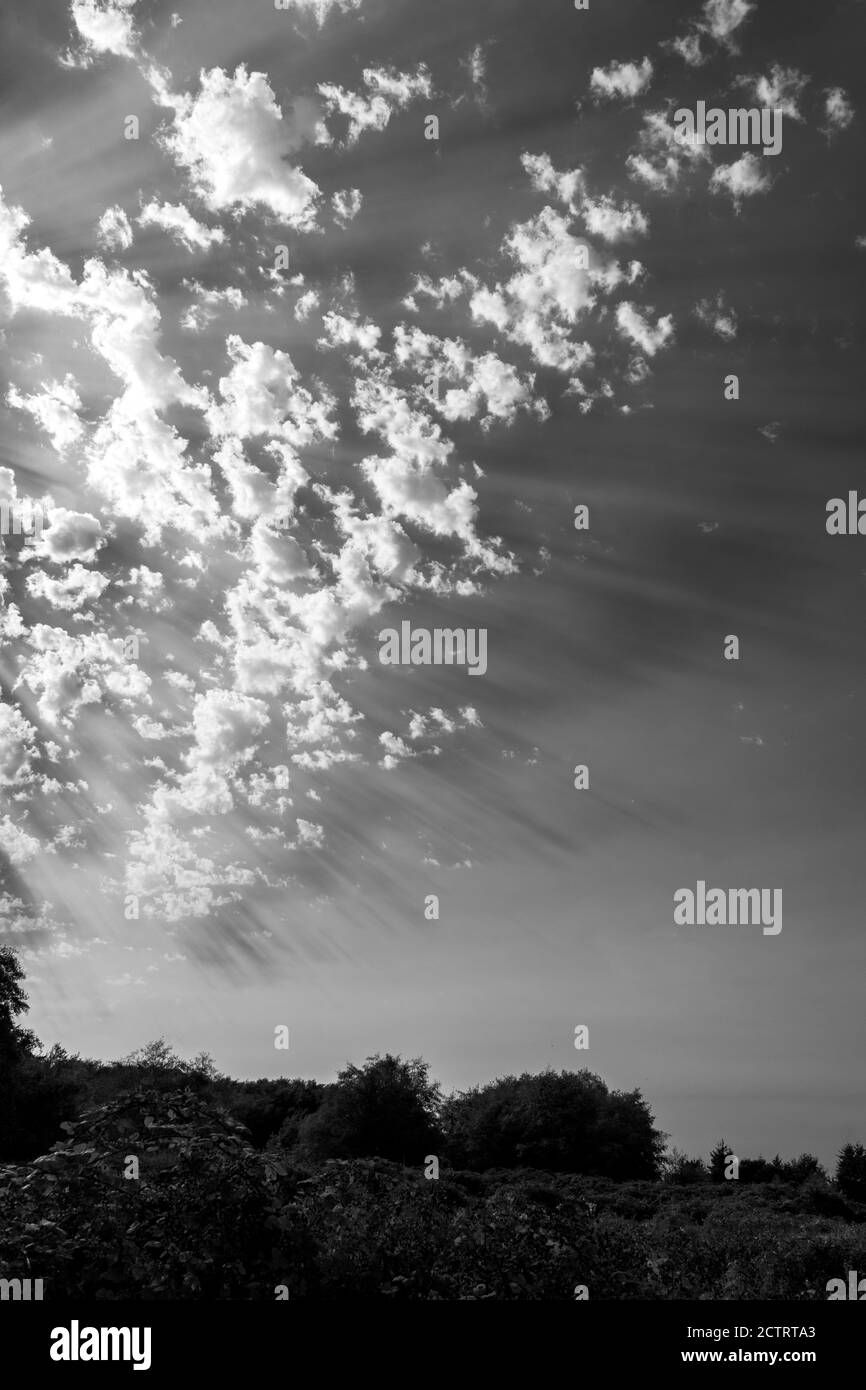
(153, 1177)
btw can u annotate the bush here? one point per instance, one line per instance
(387, 1109)
(562, 1122)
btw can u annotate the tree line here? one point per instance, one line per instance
(389, 1108)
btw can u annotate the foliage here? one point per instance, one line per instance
(387, 1108)
(851, 1171)
(677, 1167)
(563, 1122)
(211, 1217)
(206, 1217)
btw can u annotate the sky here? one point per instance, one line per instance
(321, 319)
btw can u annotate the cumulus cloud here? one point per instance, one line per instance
(621, 79)
(717, 316)
(180, 224)
(104, 26)
(632, 325)
(742, 179)
(261, 395)
(17, 745)
(613, 222)
(663, 158)
(16, 843)
(838, 111)
(55, 408)
(69, 672)
(722, 18)
(689, 49)
(407, 483)
(70, 535)
(718, 23)
(319, 8)
(780, 89)
(483, 385)
(387, 91)
(346, 203)
(342, 331)
(306, 304)
(208, 304)
(539, 305)
(35, 280)
(602, 215)
(72, 591)
(113, 230)
(233, 140)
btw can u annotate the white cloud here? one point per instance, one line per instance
(55, 408)
(540, 304)
(70, 536)
(16, 843)
(180, 224)
(106, 26)
(621, 79)
(77, 587)
(396, 751)
(632, 325)
(719, 21)
(346, 203)
(320, 8)
(781, 89)
(603, 218)
(68, 673)
(17, 748)
(261, 395)
(233, 141)
(398, 87)
(482, 385)
(35, 280)
(742, 179)
(341, 331)
(388, 90)
(689, 49)
(567, 186)
(838, 110)
(209, 302)
(721, 18)
(663, 157)
(721, 319)
(113, 230)
(306, 304)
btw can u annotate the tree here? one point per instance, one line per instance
(801, 1169)
(718, 1161)
(15, 1042)
(564, 1122)
(31, 1103)
(385, 1109)
(851, 1171)
(677, 1167)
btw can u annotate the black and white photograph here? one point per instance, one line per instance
(432, 651)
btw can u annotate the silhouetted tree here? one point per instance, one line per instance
(677, 1167)
(565, 1122)
(851, 1171)
(387, 1109)
(718, 1161)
